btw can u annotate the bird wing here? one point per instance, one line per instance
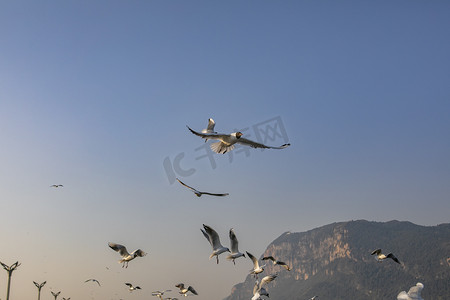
(210, 136)
(268, 257)
(36, 284)
(213, 237)
(189, 187)
(255, 261)
(207, 237)
(284, 265)
(211, 125)
(190, 288)
(377, 252)
(390, 255)
(234, 242)
(139, 253)
(180, 286)
(214, 194)
(119, 248)
(247, 142)
(266, 280)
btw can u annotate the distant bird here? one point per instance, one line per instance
(131, 287)
(227, 141)
(198, 193)
(413, 293)
(56, 294)
(213, 238)
(126, 257)
(183, 291)
(380, 256)
(259, 290)
(234, 247)
(314, 298)
(160, 293)
(256, 268)
(94, 280)
(277, 262)
(56, 185)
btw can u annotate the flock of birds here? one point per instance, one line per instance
(226, 143)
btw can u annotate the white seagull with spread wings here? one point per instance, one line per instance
(131, 287)
(213, 238)
(277, 262)
(126, 257)
(380, 256)
(227, 141)
(198, 193)
(183, 291)
(256, 267)
(259, 290)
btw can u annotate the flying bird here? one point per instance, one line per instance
(56, 185)
(314, 298)
(183, 291)
(126, 257)
(160, 293)
(227, 141)
(234, 247)
(198, 193)
(213, 238)
(380, 256)
(413, 293)
(277, 262)
(94, 280)
(259, 290)
(256, 268)
(131, 287)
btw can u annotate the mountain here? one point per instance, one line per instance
(335, 262)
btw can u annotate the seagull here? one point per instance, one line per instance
(227, 141)
(198, 193)
(131, 287)
(259, 290)
(256, 268)
(184, 290)
(234, 247)
(413, 293)
(94, 280)
(314, 298)
(56, 185)
(126, 257)
(213, 238)
(277, 262)
(160, 293)
(380, 256)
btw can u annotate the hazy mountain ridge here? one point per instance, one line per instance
(334, 262)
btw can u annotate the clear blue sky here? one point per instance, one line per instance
(96, 95)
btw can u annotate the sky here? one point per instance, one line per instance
(96, 95)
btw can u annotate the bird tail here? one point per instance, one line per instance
(221, 148)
